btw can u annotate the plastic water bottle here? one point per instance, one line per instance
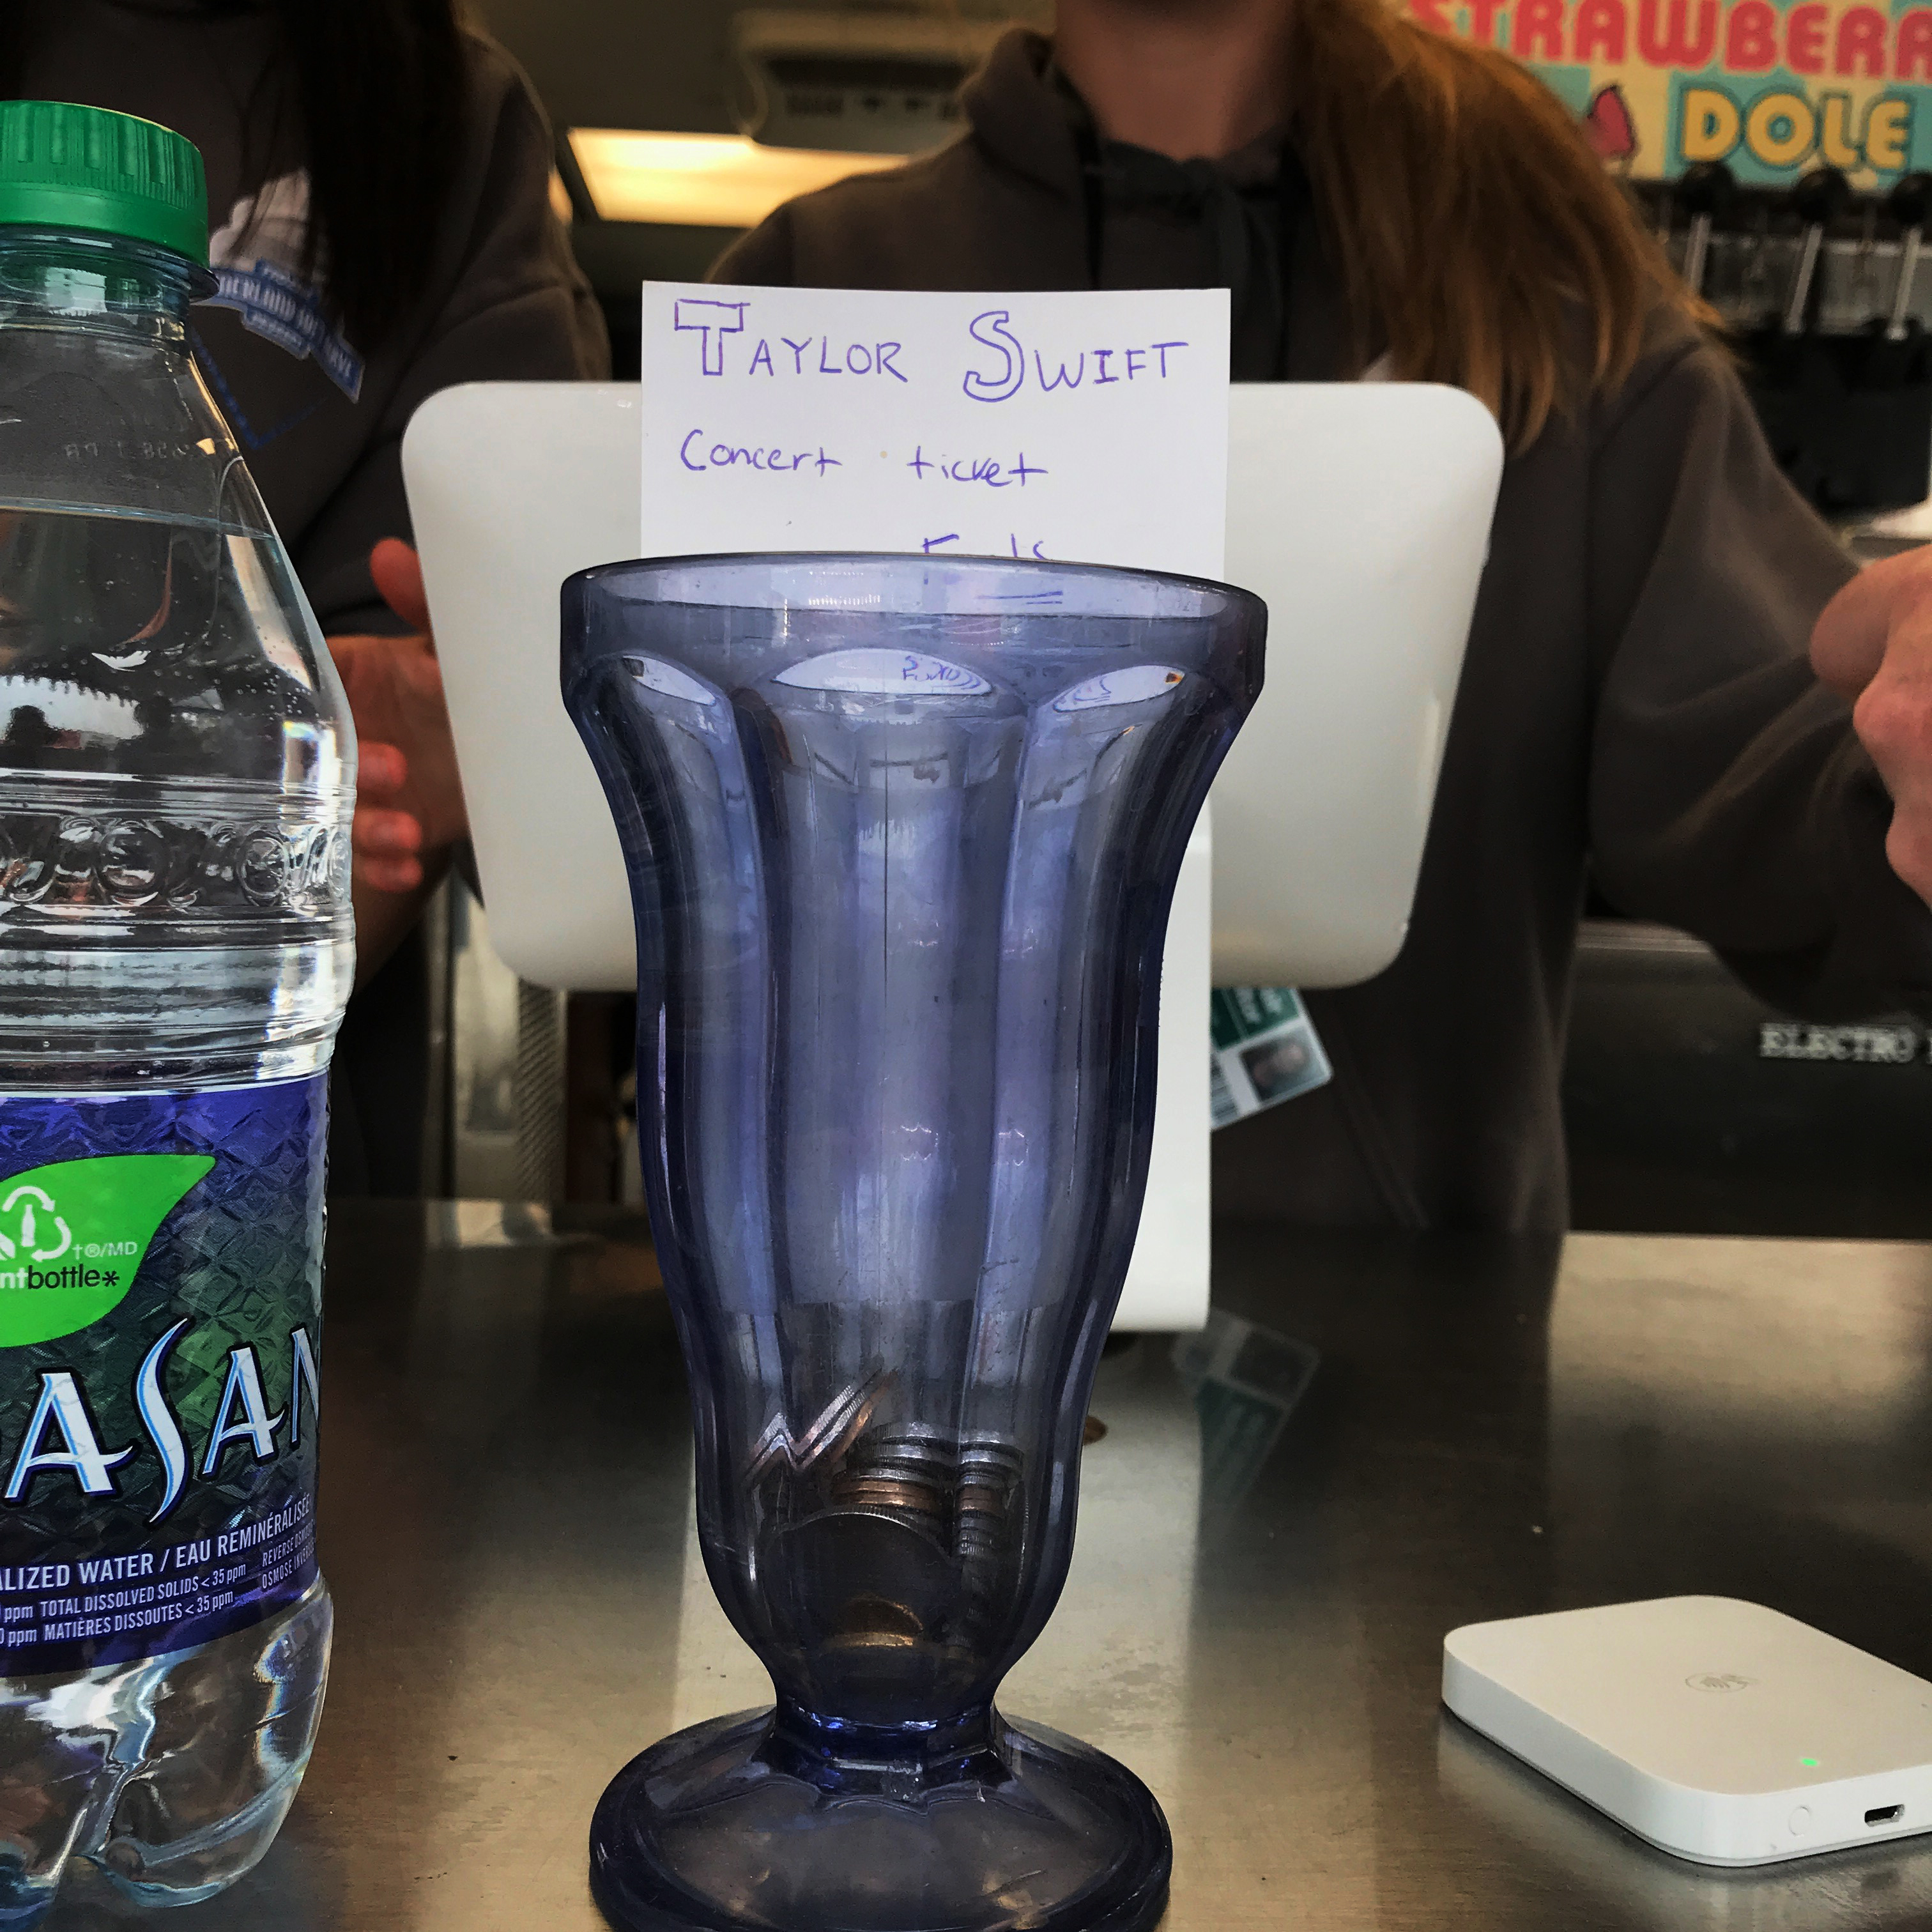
(176, 777)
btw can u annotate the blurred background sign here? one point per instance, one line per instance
(1770, 91)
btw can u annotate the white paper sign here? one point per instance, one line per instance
(1088, 426)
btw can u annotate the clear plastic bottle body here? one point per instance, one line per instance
(176, 780)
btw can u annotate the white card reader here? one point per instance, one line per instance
(1721, 1731)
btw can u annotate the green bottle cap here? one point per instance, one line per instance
(67, 166)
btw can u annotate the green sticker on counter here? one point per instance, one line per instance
(73, 1236)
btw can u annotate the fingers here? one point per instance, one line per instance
(1848, 644)
(1908, 849)
(381, 770)
(379, 833)
(1893, 718)
(1873, 644)
(390, 875)
(386, 845)
(398, 580)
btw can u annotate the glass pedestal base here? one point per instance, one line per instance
(728, 1827)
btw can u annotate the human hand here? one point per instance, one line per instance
(1873, 645)
(409, 795)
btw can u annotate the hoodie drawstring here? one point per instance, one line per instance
(1249, 230)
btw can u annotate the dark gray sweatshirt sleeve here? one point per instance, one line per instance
(763, 258)
(515, 306)
(1728, 794)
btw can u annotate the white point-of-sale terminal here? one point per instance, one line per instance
(1719, 1730)
(1360, 512)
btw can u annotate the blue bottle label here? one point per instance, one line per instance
(161, 1340)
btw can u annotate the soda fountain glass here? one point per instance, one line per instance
(902, 833)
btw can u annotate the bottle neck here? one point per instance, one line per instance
(66, 279)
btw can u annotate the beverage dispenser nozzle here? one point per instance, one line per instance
(1705, 193)
(1817, 198)
(1908, 204)
(1864, 293)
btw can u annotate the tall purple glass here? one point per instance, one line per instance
(902, 834)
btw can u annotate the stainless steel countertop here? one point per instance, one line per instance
(1255, 1629)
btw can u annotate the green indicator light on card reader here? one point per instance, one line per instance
(1809, 1763)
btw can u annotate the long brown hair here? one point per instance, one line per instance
(1480, 240)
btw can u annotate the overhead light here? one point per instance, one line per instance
(883, 82)
(703, 181)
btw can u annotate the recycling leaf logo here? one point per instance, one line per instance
(74, 1235)
(30, 1226)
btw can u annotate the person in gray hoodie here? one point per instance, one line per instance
(381, 228)
(1638, 699)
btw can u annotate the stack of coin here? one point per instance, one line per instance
(908, 1470)
(989, 1475)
